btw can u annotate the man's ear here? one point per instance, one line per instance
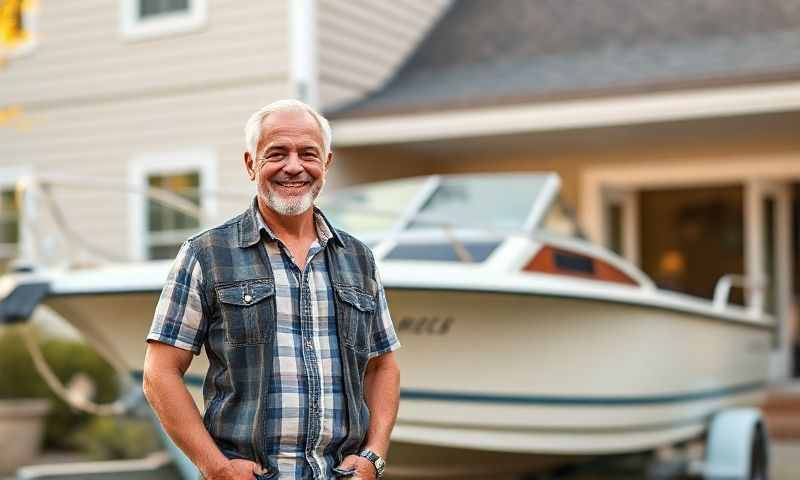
(249, 166)
(328, 160)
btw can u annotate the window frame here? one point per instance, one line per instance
(134, 28)
(142, 166)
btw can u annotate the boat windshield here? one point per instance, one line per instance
(372, 210)
(491, 203)
(496, 203)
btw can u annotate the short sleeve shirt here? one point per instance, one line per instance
(306, 361)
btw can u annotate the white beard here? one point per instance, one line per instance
(294, 206)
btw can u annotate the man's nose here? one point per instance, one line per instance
(293, 165)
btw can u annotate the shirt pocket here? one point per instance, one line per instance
(248, 311)
(357, 309)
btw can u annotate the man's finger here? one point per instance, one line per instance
(349, 462)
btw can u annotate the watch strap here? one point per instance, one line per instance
(375, 459)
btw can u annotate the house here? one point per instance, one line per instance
(675, 127)
(105, 98)
(672, 124)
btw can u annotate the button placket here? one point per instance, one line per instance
(314, 382)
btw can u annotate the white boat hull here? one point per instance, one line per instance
(543, 380)
(565, 375)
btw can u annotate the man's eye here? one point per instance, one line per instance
(272, 157)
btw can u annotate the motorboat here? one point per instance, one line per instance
(524, 344)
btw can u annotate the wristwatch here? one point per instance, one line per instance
(376, 460)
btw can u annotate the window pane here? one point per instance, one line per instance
(691, 237)
(162, 217)
(770, 292)
(149, 8)
(165, 218)
(9, 217)
(615, 220)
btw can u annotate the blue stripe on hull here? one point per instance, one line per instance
(416, 394)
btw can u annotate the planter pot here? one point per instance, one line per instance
(21, 428)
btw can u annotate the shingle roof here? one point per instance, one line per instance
(488, 53)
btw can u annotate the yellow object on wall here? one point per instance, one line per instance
(12, 26)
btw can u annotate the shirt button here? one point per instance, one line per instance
(248, 298)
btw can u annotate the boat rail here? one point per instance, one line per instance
(756, 286)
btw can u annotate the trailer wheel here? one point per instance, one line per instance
(737, 447)
(759, 457)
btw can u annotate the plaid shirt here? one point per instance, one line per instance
(306, 368)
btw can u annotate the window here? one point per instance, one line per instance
(9, 222)
(164, 218)
(18, 25)
(141, 19)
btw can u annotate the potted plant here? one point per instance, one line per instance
(30, 412)
(23, 403)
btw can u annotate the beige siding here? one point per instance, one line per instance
(93, 103)
(363, 42)
(99, 142)
(81, 55)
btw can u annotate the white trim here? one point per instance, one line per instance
(609, 111)
(677, 172)
(132, 27)
(202, 160)
(10, 175)
(628, 203)
(304, 80)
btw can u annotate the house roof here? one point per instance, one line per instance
(493, 53)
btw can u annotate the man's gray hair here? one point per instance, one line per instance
(252, 129)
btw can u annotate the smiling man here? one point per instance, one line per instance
(302, 380)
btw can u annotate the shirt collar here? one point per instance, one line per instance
(253, 224)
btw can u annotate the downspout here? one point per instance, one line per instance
(303, 74)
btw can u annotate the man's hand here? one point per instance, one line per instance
(364, 469)
(237, 469)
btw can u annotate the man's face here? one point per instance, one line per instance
(290, 166)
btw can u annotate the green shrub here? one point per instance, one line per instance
(20, 379)
(115, 438)
(66, 358)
